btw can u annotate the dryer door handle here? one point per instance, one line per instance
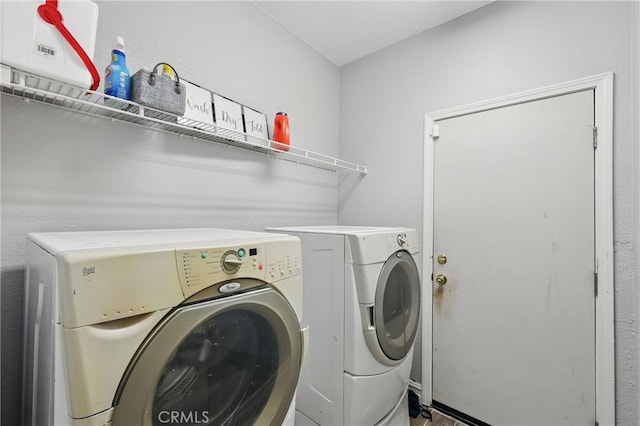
(304, 334)
(368, 318)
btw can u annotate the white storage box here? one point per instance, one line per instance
(228, 118)
(255, 126)
(33, 45)
(198, 110)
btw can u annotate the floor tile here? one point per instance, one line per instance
(418, 421)
(437, 420)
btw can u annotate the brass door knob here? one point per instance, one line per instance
(441, 279)
(442, 259)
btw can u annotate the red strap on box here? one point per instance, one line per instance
(50, 14)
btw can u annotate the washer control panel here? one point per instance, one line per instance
(202, 267)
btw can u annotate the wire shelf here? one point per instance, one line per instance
(36, 88)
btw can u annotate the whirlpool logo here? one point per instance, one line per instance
(183, 417)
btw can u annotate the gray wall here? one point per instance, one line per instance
(500, 49)
(62, 171)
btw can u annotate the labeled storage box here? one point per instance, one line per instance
(228, 117)
(30, 44)
(198, 109)
(255, 124)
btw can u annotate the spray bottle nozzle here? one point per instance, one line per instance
(119, 44)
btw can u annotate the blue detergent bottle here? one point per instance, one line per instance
(117, 80)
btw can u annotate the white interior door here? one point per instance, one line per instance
(513, 326)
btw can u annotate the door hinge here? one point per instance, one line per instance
(595, 137)
(595, 284)
(435, 131)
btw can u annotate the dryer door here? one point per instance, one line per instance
(230, 361)
(397, 305)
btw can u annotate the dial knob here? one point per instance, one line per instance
(231, 262)
(402, 239)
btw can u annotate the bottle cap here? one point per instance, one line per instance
(119, 44)
(168, 71)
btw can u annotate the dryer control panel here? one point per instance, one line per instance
(403, 239)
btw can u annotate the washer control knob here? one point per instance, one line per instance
(402, 239)
(231, 262)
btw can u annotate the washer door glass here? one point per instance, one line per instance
(397, 305)
(223, 370)
(231, 361)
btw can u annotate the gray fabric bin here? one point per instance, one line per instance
(158, 91)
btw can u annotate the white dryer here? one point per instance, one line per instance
(362, 305)
(162, 327)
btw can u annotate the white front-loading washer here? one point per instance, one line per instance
(362, 304)
(162, 327)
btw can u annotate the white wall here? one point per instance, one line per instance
(62, 171)
(636, 114)
(500, 49)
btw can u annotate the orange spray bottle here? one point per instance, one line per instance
(281, 131)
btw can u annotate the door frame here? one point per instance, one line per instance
(602, 84)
